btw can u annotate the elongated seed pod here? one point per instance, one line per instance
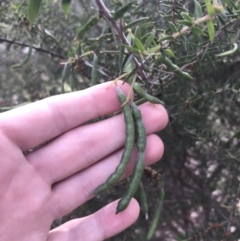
(156, 218)
(141, 132)
(235, 48)
(134, 184)
(140, 101)
(143, 201)
(140, 91)
(126, 156)
(165, 60)
(139, 166)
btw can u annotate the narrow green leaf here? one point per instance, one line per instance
(172, 27)
(197, 30)
(88, 25)
(149, 40)
(210, 8)
(71, 80)
(185, 22)
(94, 74)
(169, 53)
(121, 56)
(64, 75)
(79, 49)
(231, 4)
(127, 63)
(152, 50)
(167, 37)
(211, 30)
(139, 44)
(132, 50)
(129, 25)
(118, 14)
(198, 10)
(186, 16)
(137, 32)
(116, 3)
(129, 39)
(66, 6)
(184, 41)
(221, 20)
(33, 9)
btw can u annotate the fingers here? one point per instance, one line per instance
(98, 226)
(86, 145)
(78, 188)
(10, 160)
(34, 124)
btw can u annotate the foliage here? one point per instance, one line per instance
(184, 52)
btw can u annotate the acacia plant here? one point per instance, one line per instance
(184, 54)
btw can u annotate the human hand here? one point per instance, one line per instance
(38, 187)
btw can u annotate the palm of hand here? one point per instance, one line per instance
(41, 186)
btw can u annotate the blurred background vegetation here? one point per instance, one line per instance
(201, 164)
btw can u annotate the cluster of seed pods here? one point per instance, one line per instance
(133, 121)
(135, 132)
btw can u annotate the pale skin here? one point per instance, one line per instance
(49, 182)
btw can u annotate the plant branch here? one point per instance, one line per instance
(186, 28)
(34, 47)
(206, 46)
(103, 10)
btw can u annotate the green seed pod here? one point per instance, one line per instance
(165, 60)
(156, 218)
(141, 132)
(139, 166)
(143, 201)
(134, 184)
(140, 101)
(140, 91)
(224, 54)
(126, 156)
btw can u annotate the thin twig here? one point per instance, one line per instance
(186, 28)
(34, 47)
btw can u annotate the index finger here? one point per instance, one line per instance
(36, 123)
